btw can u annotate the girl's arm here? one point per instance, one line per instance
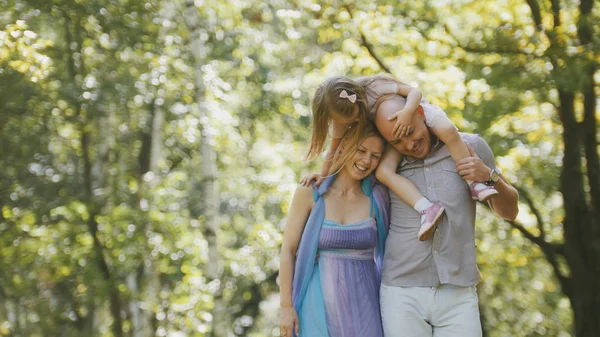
(413, 99)
(299, 212)
(335, 143)
(338, 130)
(401, 186)
(319, 177)
(403, 117)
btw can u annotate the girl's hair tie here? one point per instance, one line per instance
(351, 98)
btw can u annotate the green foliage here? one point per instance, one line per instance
(86, 214)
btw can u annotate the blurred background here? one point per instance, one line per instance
(149, 150)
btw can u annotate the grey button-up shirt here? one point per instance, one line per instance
(449, 257)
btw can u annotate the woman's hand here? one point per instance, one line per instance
(288, 322)
(403, 125)
(317, 177)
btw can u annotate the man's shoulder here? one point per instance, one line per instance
(471, 138)
(480, 146)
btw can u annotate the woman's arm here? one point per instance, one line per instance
(297, 217)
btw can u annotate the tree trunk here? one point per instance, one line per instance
(90, 175)
(208, 187)
(110, 281)
(146, 281)
(88, 328)
(580, 225)
(579, 179)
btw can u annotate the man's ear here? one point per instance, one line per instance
(420, 112)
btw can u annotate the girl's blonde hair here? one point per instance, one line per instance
(346, 150)
(327, 99)
(367, 82)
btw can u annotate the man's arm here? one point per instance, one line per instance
(478, 168)
(506, 202)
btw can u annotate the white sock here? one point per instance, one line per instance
(422, 204)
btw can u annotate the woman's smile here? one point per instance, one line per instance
(360, 167)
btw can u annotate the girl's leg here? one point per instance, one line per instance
(446, 131)
(430, 212)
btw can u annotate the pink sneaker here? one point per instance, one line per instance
(481, 191)
(429, 220)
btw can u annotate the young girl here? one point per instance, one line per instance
(375, 87)
(339, 108)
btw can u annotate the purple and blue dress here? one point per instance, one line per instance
(339, 295)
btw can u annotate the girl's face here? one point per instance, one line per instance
(344, 119)
(366, 158)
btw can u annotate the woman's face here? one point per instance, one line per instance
(366, 158)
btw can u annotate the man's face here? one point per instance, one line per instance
(417, 144)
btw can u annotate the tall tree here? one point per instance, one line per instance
(207, 188)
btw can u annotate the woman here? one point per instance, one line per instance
(335, 293)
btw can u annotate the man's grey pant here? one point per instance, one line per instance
(443, 311)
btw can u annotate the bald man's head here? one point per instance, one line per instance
(418, 142)
(388, 103)
(386, 107)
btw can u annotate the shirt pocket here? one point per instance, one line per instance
(452, 180)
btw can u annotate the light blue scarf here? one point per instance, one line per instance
(307, 250)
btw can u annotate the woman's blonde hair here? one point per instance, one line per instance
(328, 99)
(346, 150)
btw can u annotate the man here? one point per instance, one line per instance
(428, 288)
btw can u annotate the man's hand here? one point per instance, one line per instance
(473, 168)
(317, 177)
(403, 124)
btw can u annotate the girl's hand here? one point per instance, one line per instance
(318, 177)
(288, 322)
(403, 126)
